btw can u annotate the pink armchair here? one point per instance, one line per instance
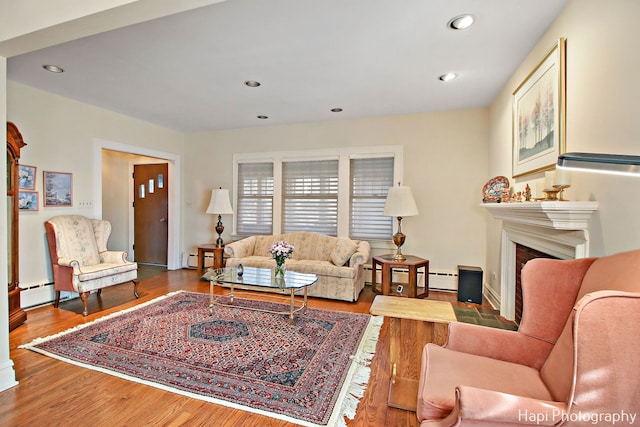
(80, 260)
(574, 360)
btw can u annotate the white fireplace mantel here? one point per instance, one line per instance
(556, 215)
(557, 228)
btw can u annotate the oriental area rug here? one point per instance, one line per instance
(312, 373)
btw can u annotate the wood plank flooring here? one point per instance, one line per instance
(54, 393)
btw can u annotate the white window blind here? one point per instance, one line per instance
(370, 181)
(310, 196)
(255, 198)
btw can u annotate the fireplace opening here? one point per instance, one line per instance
(523, 255)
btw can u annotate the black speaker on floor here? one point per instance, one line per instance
(469, 284)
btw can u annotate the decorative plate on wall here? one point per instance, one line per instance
(496, 190)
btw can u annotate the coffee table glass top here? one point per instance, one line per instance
(260, 277)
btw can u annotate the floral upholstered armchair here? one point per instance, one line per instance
(574, 361)
(80, 260)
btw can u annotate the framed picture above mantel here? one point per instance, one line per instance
(539, 114)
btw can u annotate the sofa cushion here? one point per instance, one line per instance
(436, 394)
(321, 268)
(253, 261)
(263, 243)
(310, 245)
(343, 251)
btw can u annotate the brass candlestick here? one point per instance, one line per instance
(551, 193)
(560, 189)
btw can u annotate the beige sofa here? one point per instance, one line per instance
(338, 262)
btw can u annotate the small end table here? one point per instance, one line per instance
(413, 324)
(411, 263)
(218, 256)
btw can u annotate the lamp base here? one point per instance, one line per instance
(219, 230)
(399, 256)
(398, 240)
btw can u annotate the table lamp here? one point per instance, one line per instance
(400, 203)
(220, 205)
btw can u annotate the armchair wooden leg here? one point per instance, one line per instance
(84, 296)
(99, 292)
(135, 288)
(56, 301)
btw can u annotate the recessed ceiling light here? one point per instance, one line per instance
(263, 117)
(336, 110)
(460, 22)
(252, 83)
(447, 77)
(53, 68)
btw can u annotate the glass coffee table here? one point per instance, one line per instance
(260, 278)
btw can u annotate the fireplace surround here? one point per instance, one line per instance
(559, 229)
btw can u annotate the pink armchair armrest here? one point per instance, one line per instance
(490, 408)
(510, 346)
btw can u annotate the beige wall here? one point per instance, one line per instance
(603, 90)
(60, 134)
(445, 164)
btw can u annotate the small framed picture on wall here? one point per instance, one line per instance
(58, 189)
(28, 201)
(26, 177)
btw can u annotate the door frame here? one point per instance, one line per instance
(174, 160)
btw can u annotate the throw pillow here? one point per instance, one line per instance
(343, 251)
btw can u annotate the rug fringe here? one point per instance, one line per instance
(359, 373)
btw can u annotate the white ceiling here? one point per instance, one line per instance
(370, 57)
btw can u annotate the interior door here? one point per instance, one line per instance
(151, 213)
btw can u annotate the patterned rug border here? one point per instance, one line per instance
(355, 384)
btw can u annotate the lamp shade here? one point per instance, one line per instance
(400, 202)
(220, 203)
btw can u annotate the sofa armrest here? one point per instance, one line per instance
(362, 254)
(487, 407)
(113, 257)
(240, 248)
(501, 344)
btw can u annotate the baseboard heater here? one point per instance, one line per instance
(438, 280)
(36, 295)
(190, 260)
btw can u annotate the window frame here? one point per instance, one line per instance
(343, 155)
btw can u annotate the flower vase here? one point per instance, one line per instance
(279, 271)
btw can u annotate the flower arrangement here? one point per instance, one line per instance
(280, 251)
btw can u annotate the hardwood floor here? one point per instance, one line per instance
(53, 393)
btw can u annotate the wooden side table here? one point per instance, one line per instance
(218, 256)
(414, 323)
(412, 264)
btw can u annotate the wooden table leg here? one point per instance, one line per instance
(413, 281)
(386, 279)
(200, 260)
